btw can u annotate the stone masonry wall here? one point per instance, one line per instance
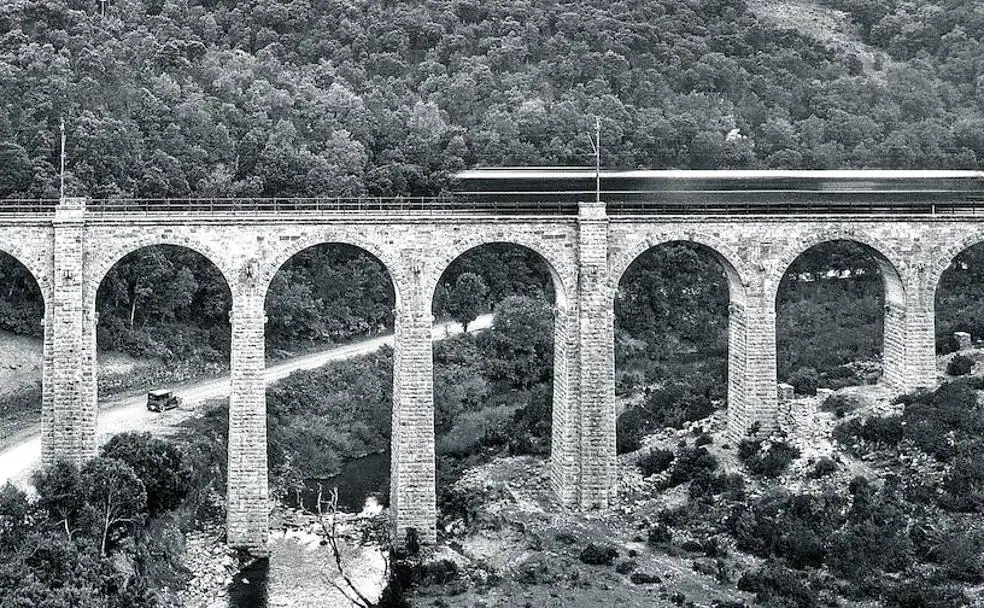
(893, 346)
(413, 499)
(586, 255)
(597, 360)
(71, 419)
(248, 493)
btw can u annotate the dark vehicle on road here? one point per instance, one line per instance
(161, 400)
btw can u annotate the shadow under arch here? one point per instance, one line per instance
(893, 345)
(563, 425)
(736, 298)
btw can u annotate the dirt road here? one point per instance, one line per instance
(19, 459)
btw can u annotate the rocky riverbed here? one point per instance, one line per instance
(301, 571)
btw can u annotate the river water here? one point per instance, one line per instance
(293, 574)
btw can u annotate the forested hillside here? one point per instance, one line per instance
(303, 97)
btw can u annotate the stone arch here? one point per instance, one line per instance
(564, 471)
(33, 265)
(563, 272)
(892, 268)
(104, 261)
(893, 271)
(738, 275)
(941, 261)
(734, 267)
(285, 254)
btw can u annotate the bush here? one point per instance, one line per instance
(775, 585)
(789, 526)
(766, 460)
(804, 381)
(689, 463)
(597, 555)
(439, 572)
(963, 485)
(924, 594)
(626, 566)
(655, 461)
(708, 485)
(941, 422)
(881, 432)
(644, 578)
(959, 365)
(823, 467)
(659, 534)
(630, 428)
(159, 465)
(840, 404)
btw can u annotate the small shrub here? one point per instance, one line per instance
(766, 461)
(804, 381)
(923, 594)
(776, 585)
(709, 485)
(565, 538)
(823, 467)
(626, 566)
(959, 365)
(655, 461)
(630, 427)
(440, 572)
(689, 462)
(964, 485)
(644, 578)
(881, 432)
(660, 534)
(840, 404)
(597, 555)
(714, 546)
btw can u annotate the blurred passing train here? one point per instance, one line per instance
(558, 190)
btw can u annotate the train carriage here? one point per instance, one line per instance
(725, 192)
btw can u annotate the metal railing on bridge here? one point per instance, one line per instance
(679, 203)
(415, 205)
(28, 206)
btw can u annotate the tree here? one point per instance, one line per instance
(467, 298)
(60, 494)
(115, 494)
(158, 464)
(519, 349)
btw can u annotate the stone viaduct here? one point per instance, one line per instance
(70, 246)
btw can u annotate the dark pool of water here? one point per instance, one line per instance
(357, 481)
(248, 588)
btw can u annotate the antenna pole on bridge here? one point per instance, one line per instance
(597, 159)
(61, 174)
(596, 147)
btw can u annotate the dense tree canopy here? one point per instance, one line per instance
(222, 97)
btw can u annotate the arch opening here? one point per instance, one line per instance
(163, 315)
(959, 305)
(840, 318)
(678, 308)
(503, 390)
(332, 424)
(22, 330)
